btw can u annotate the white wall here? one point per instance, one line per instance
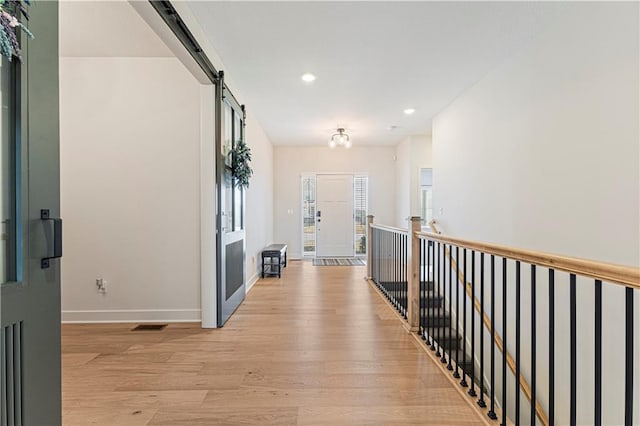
(290, 162)
(129, 154)
(259, 229)
(543, 153)
(412, 154)
(403, 183)
(259, 198)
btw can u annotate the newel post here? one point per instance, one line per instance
(369, 246)
(413, 264)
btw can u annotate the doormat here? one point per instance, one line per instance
(338, 262)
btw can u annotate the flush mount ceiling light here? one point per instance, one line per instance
(409, 111)
(340, 138)
(308, 77)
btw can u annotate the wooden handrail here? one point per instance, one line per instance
(390, 229)
(617, 274)
(526, 388)
(609, 272)
(524, 384)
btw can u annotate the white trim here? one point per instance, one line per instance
(208, 290)
(251, 282)
(144, 315)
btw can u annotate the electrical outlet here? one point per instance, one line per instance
(101, 284)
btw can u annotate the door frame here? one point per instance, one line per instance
(303, 175)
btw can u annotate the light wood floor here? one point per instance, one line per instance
(318, 346)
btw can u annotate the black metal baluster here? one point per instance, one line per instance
(472, 373)
(372, 251)
(426, 289)
(394, 266)
(517, 374)
(456, 374)
(401, 273)
(573, 348)
(377, 251)
(378, 247)
(388, 267)
(463, 382)
(392, 270)
(492, 413)
(380, 243)
(422, 297)
(552, 343)
(396, 279)
(406, 276)
(449, 366)
(403, 269)
(385, 263)
(439, 284)
(380, 251)
(443, 259)
(533, 345)
(628, 369)
(434, 297)
(504, 341)
(597, 421)
(481, 402)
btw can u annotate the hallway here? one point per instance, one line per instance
(318, 346)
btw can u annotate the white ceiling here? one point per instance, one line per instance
(372, 60)
(106, 29)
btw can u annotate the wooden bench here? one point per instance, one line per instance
(274, 258)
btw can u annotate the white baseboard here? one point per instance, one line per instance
(251, 282)
(150, 315)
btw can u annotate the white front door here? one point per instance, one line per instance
(334, 217)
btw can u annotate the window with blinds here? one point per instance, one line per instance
(360, 201)
(309, 215)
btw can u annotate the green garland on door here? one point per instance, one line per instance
(10, 11)
(241, 157)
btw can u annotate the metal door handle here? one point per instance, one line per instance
(57, 238)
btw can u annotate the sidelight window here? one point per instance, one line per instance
(360, 200)
(9, 155)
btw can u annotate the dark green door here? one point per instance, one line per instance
(29, 288)
(231, 232)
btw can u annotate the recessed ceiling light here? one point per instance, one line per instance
(392, 127)
(409, 111)
(308, 77)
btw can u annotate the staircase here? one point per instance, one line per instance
(447, 276)
(436, 318)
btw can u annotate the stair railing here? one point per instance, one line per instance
(387, 263)
(436, 264)
(470, 290)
